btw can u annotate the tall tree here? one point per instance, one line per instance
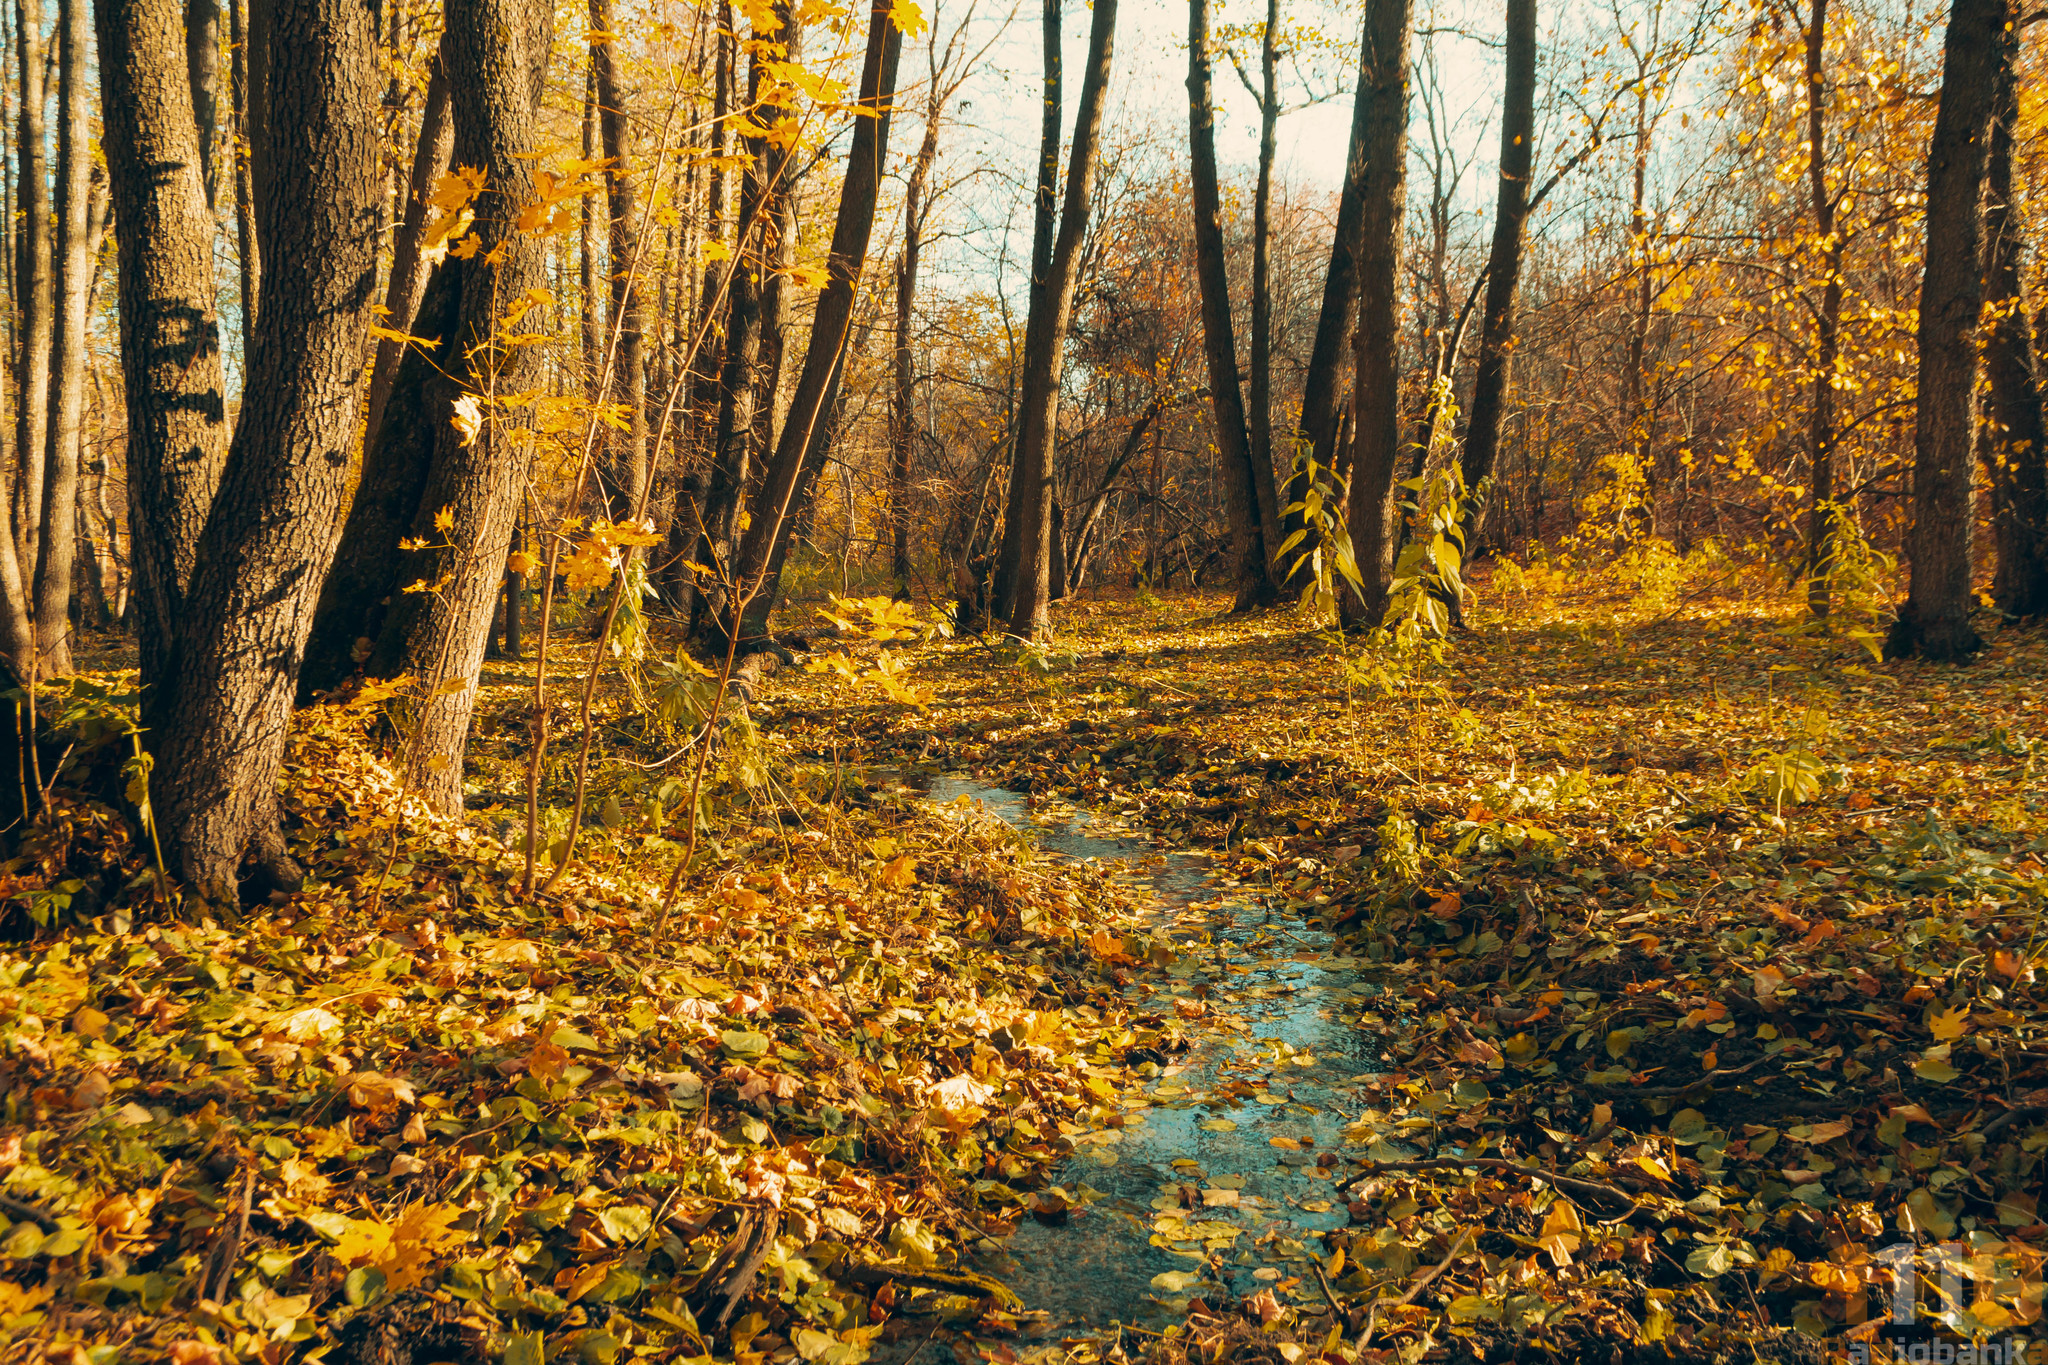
(786, 482)
(76, 257)
(627, 363)
(2015, 430)
(1504, 259)
(430, 481)
(202, 68)
(177, 427)
(269, 534)
(409, 264)
(241, 89)
(1935, 620)
(1827, 344)
(1249, 544)
(1375, 402)
(1045, 340)
(35, 324)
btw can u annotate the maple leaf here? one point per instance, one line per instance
(591, 564)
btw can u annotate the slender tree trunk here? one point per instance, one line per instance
(903, 414)
(1044, 227)
(202, 68)
(1251, 571)
(1376, 400)
(409, 266)
(2014, 428)
(33, 298)
(177, 430)
(778, 256)
(240, 76)
(592, 316)
(629, 472)
(76, 258)
(1260, 427)
(270, 533)
(1820, 433)
(1935, 620)
(1322, 383)
(1031, 479)
(786, 482)
(1503, 265)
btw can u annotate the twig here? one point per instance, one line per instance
(1422, 1283)
(223, 1268)
(1494, 1163)
(30, 1212)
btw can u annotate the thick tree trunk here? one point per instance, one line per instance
(1321, 396)
(1503, 262)
(786, 481)
(270, 533)
(1031, 478)
(2015, 432)
(202, 68)
(1044, 227)
(33, 298)
(177, 430)
(494, 52)
(1251, 572)
(1935, 620)
(409, 266)
(76, 258)
(628, 362)
(1376, 398)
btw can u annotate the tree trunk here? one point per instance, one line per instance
(1820, 434)
(1044, 227)
(903, 413)
(1935, 620)
(1251, 573)
(1376, 396)
(76, 258)
(409, 266)
(1031, 479)
(1320, 388)
(270, 533)
(1503, 264)
(177, 430)
(242, 90)
(33, 299)
(1260, 427)
(2014, 428)
(627, 363)
(202, 68)
(786, 482)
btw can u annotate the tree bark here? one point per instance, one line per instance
(1820, 434)
(1376, 397)
(177, 429)
(1031, 478)
(1251, 573)
(76, 256)
(1044, 227)
(409, 266)
(903, 412)
(270, 533)
(628, 362)
(1503, 263)
(1935, 620)
(202, 68)
(242, 91)
(33, 297)
(786, 482)
(1264, 488)
(1320, 388)
(2015, 431)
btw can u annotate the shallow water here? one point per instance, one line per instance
(1214, 1109)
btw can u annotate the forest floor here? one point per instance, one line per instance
(1700, 957)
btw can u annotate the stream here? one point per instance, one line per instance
(1235, 1125)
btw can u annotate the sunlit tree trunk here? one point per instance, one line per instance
(1503, 262)
(627, 361)
(786, 481)
(75, 253)
(240, 76)
(1820, 432)
(177, 429)
(202, 68)
(1376, 397)
(903, 413)
(1031, 477)
(270, 532)
(1935, 620)
(33, 299)
(1251, 574)
(1260, 424)
(2015, 431)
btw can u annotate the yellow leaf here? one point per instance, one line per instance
(1949, 1025)
(444, 520)
(900, 874)
(591, 565)
(521, 563)
(1654, 1167)
(402, 338)
(468, 418)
